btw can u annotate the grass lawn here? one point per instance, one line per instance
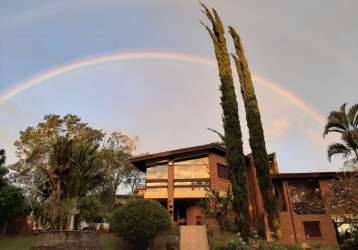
(110, 242)
(17, 243)
(106, 241)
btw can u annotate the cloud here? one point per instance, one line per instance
(12, 120)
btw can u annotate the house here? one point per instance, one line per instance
(180, 179)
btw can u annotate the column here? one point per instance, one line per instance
(170, 203)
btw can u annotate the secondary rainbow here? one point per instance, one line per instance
(63, 69)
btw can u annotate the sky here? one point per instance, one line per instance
(306, 48)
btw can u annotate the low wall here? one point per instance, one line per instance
(69, 240)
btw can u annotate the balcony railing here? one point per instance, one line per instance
(178, 183)
(192, 183)
(156, 183)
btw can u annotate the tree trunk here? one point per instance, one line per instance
(4, 228)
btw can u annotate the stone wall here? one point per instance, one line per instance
(69, 240)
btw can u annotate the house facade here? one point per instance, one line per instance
(180, 179)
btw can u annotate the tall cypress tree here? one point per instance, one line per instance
(256, 132)
(233, 137)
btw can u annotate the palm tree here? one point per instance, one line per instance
(74, 170)
(345, 123)
(344, 195)
(86, 171)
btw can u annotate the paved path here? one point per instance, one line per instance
(193, 238)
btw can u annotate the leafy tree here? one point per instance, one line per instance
(345, 123)
(233, 137)
(12, 199)
(36, 144)
(139, 221)
(61, 160)
(115, 154)
(58, 163)
(12, 204)
(256, 134)
(133, 178)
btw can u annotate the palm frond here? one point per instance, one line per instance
(337, 121)
(222, 137)
(333, 126)
(353, 115)
(350, 140)
(338, 148)
(343, 108)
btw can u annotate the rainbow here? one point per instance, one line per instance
(63, 69)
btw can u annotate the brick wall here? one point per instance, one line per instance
(326, 228)
(292, 226)
(217, 183)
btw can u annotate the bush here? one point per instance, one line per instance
(236, 243)
(13, 205)
(139, 221)
(349, 238)
(92, 211)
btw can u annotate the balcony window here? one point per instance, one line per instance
(157, 172)
(191, 169)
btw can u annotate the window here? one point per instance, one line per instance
(223, 171)
(312, 229)
(157, 172)
(191, 169)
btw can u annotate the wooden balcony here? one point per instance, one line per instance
(183, 188)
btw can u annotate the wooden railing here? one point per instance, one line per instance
(178, 183)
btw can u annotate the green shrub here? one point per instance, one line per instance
(239, 244)
(235, 246)
(91, 210)
(140, 221)
(348, 239)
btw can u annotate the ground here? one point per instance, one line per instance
(17, 243)
(106, 241)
